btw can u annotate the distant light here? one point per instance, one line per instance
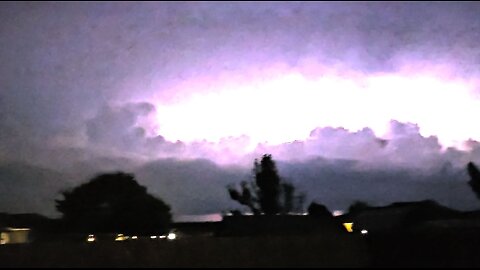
(4, 238)
(162, 236)
(120, 237)
(171, 236)
(134, 237)
(153, 237)
(17, 229)
(337, 213)
(91, 238)
(363, 231)
(348, 226)
(304, 214)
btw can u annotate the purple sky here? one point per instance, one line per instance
(373, 101)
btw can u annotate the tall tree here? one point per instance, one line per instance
(268, 182)
(113, 203)
(474, 178)
(264, 194)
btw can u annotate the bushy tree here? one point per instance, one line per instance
(113, 203)
(264, 195)
(318, 210)
(357, 207)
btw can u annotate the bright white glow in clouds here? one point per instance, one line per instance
(289, 106)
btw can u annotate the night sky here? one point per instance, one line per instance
(371, 101)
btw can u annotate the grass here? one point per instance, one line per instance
(268, 251)
(448, 248)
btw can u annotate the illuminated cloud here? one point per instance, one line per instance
(288, 107)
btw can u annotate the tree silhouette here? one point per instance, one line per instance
(113, 203)
(474, 178)
(288, 199)
(268, 182)
(264, 195)
(244, 197)
(318, 210)
(357, 207)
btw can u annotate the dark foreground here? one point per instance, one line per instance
(193, 252)
(445, 249)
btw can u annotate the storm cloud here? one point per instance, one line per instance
(84, 87)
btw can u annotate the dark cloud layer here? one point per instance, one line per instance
(199, 186)
(27, 189)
